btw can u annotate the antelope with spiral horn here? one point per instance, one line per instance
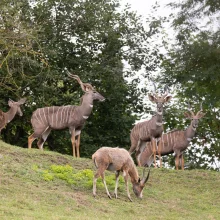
(175, 141)
(148, 131)
(60, 117)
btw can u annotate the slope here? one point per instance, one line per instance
(47, 185)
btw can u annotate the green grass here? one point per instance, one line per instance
(48, 185)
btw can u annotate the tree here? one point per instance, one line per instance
(192, 65)
(91, 39)
(21, 61)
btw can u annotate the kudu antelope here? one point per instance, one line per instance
(118, 159)
(60, 117)
(175, 141)
(149, 130)
(6, 117)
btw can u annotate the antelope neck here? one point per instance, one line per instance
(159, 120)
(86, 108)
(133, 175)
(10, 114)
(190, 132)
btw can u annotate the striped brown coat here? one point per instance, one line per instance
(175, 141)
(148, 130)
(60, 117)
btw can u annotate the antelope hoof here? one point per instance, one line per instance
(109, 196)
(116, 196)
(130, 199)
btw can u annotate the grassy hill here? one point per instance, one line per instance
(47, 185)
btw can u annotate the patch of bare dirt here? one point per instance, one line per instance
(79, 197)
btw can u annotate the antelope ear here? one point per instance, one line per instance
(151, 98)
(22, 101)
(201, 115)
(10, 102)
(167, 98)
(187, 115)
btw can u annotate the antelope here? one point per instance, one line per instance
(175, 141)
(118, 159)
(73, 117)
(6, 117)
(149, 130)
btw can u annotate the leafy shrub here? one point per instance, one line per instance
(82, 178)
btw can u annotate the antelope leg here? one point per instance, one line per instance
(153, 141)
(138, 152)
(116, 183)
(30, 140)
(77, 145)
(43, 138)
(106, 188)
(182, 162)
(127, 187)
(177, 161)
(73, 140)
(159, 153)
(94, 186)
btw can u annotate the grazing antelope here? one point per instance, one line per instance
(151, 129)
(175, 141)
(6, 117)
(73, 117)
(118, 159)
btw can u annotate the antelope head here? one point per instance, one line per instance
(194, 117)
(16, 105)
(139, 186)
(159, 99)
(88, 88)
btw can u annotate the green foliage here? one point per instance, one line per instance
(83, 178)
(89, 38)
(192, 66)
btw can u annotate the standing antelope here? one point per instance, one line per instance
(118, 159)
(6, 117)
(151, 129)
(60, 117)
(175, 141)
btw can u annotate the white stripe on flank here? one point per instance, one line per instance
(37, 117)
(65, 114)
(52, 115)
(170, 139)
(45, 115)
(61, 115)
(56, 117)
(41, 117)
(70, 110)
